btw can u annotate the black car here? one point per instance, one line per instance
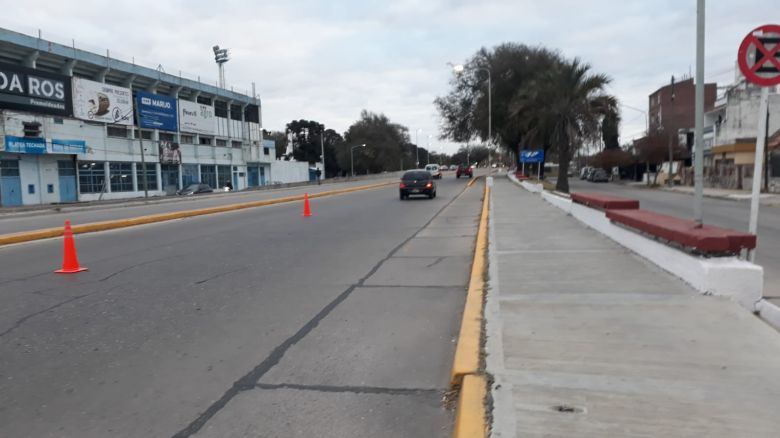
(417, 182)
(598, 175)
(195, 189)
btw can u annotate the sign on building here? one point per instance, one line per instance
(169, 153)
(156, 111)
(99, 102)
(68, 146)
(197, 118)
(25, 145)
(26, 89)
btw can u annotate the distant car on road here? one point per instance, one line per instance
(434, 170)
(464, 171)
(598, 175)
(195, 189)
(585, 171)
(417, 182)
(445, 167)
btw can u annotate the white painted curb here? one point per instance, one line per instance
(769, 313)
(531, 187)
(726, 276)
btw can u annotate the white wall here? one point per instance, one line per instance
(740, 117)
(288, 172)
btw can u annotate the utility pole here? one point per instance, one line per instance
(670, 178)
(143, 163)
(322, 149)
(698, 163)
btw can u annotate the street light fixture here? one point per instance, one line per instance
(417, 149)
(460, 68)
(221, 56)
(351, 157)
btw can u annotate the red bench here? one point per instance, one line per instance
(604, 202)
(705, 239)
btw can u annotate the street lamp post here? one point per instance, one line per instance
(459, 68)
(351, 158)
(322, 149)
(417, 149)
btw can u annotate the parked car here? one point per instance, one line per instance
(417, 182)
(585, 171)
(445, 167)
(598, 175)
(195, 189)
(464, 171)
(434, 170)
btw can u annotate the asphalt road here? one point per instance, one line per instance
(250, 323)
(722, 212)
(34, 220)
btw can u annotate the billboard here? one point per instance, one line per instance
(156, 111)
(534, 156)
(99, 102)
(169, 153)
(26, 89)
(197, 118)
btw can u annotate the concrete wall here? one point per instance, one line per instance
(740, 117)
(288, 172)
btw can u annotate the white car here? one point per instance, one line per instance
(445, 167)
(434, 170)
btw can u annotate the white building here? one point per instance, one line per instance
(69, 120)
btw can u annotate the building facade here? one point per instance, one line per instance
(672, 108)
(78, 126)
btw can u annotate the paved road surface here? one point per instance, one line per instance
(34, 220)
(250, 323)
(726, 213)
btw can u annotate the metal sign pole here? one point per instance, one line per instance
(759, 165)
(698, 161)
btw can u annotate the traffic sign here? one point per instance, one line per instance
(534, 156)
(759, 56)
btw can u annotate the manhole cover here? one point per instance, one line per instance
(566, 409)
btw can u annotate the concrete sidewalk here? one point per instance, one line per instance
(731, 195)
(585, 339)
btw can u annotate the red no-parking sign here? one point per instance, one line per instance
(759, 56)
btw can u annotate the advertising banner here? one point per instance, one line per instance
(156, 111)
(35, 91)
(169, 153)
(25, 145)
(535, 156)
(68, 146)
(197, 118)
(99, 102)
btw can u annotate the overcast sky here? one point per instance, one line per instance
(327, 61)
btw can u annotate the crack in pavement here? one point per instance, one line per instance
(249, 380)
(221, 274)
(438, 260)
(60, 304)
(351, 389)
(135, 266)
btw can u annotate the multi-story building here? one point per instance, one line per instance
(78, 126)
(672, 109)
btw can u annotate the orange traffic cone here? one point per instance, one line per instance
(70, 262)
(306, 207)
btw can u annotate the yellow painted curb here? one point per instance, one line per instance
(467, 351)
(28, 236)
(470, 418)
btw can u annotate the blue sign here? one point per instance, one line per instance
(25, 145)
(156, 111)
(536, 156)
(69, 146)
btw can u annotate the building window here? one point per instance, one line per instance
(9, 168)
(221, 142)
(223, 176)
(147, 134)
(220, 109)
(31, 129)
(150, 175)
(58, 121)
(266, 151)
(166, 136)
(187, 139)
(208, 175)
(189, 174)
(252, 114)
(92, 177)
(116, 131)
(204, 140)
(204, 100)
(236, 144)
(235, 112)
(121, 177)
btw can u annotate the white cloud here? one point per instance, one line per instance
(327, 61)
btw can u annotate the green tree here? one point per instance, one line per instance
(387, 144)
(306, 137)
(470, 155)
(610, 130)
(563, 107)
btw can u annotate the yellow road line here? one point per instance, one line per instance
(470, 418)
(27, 236)
(467, 352)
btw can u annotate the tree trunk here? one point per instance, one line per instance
(647, 172)
(562, 184)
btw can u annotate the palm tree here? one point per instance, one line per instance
(562, 108)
